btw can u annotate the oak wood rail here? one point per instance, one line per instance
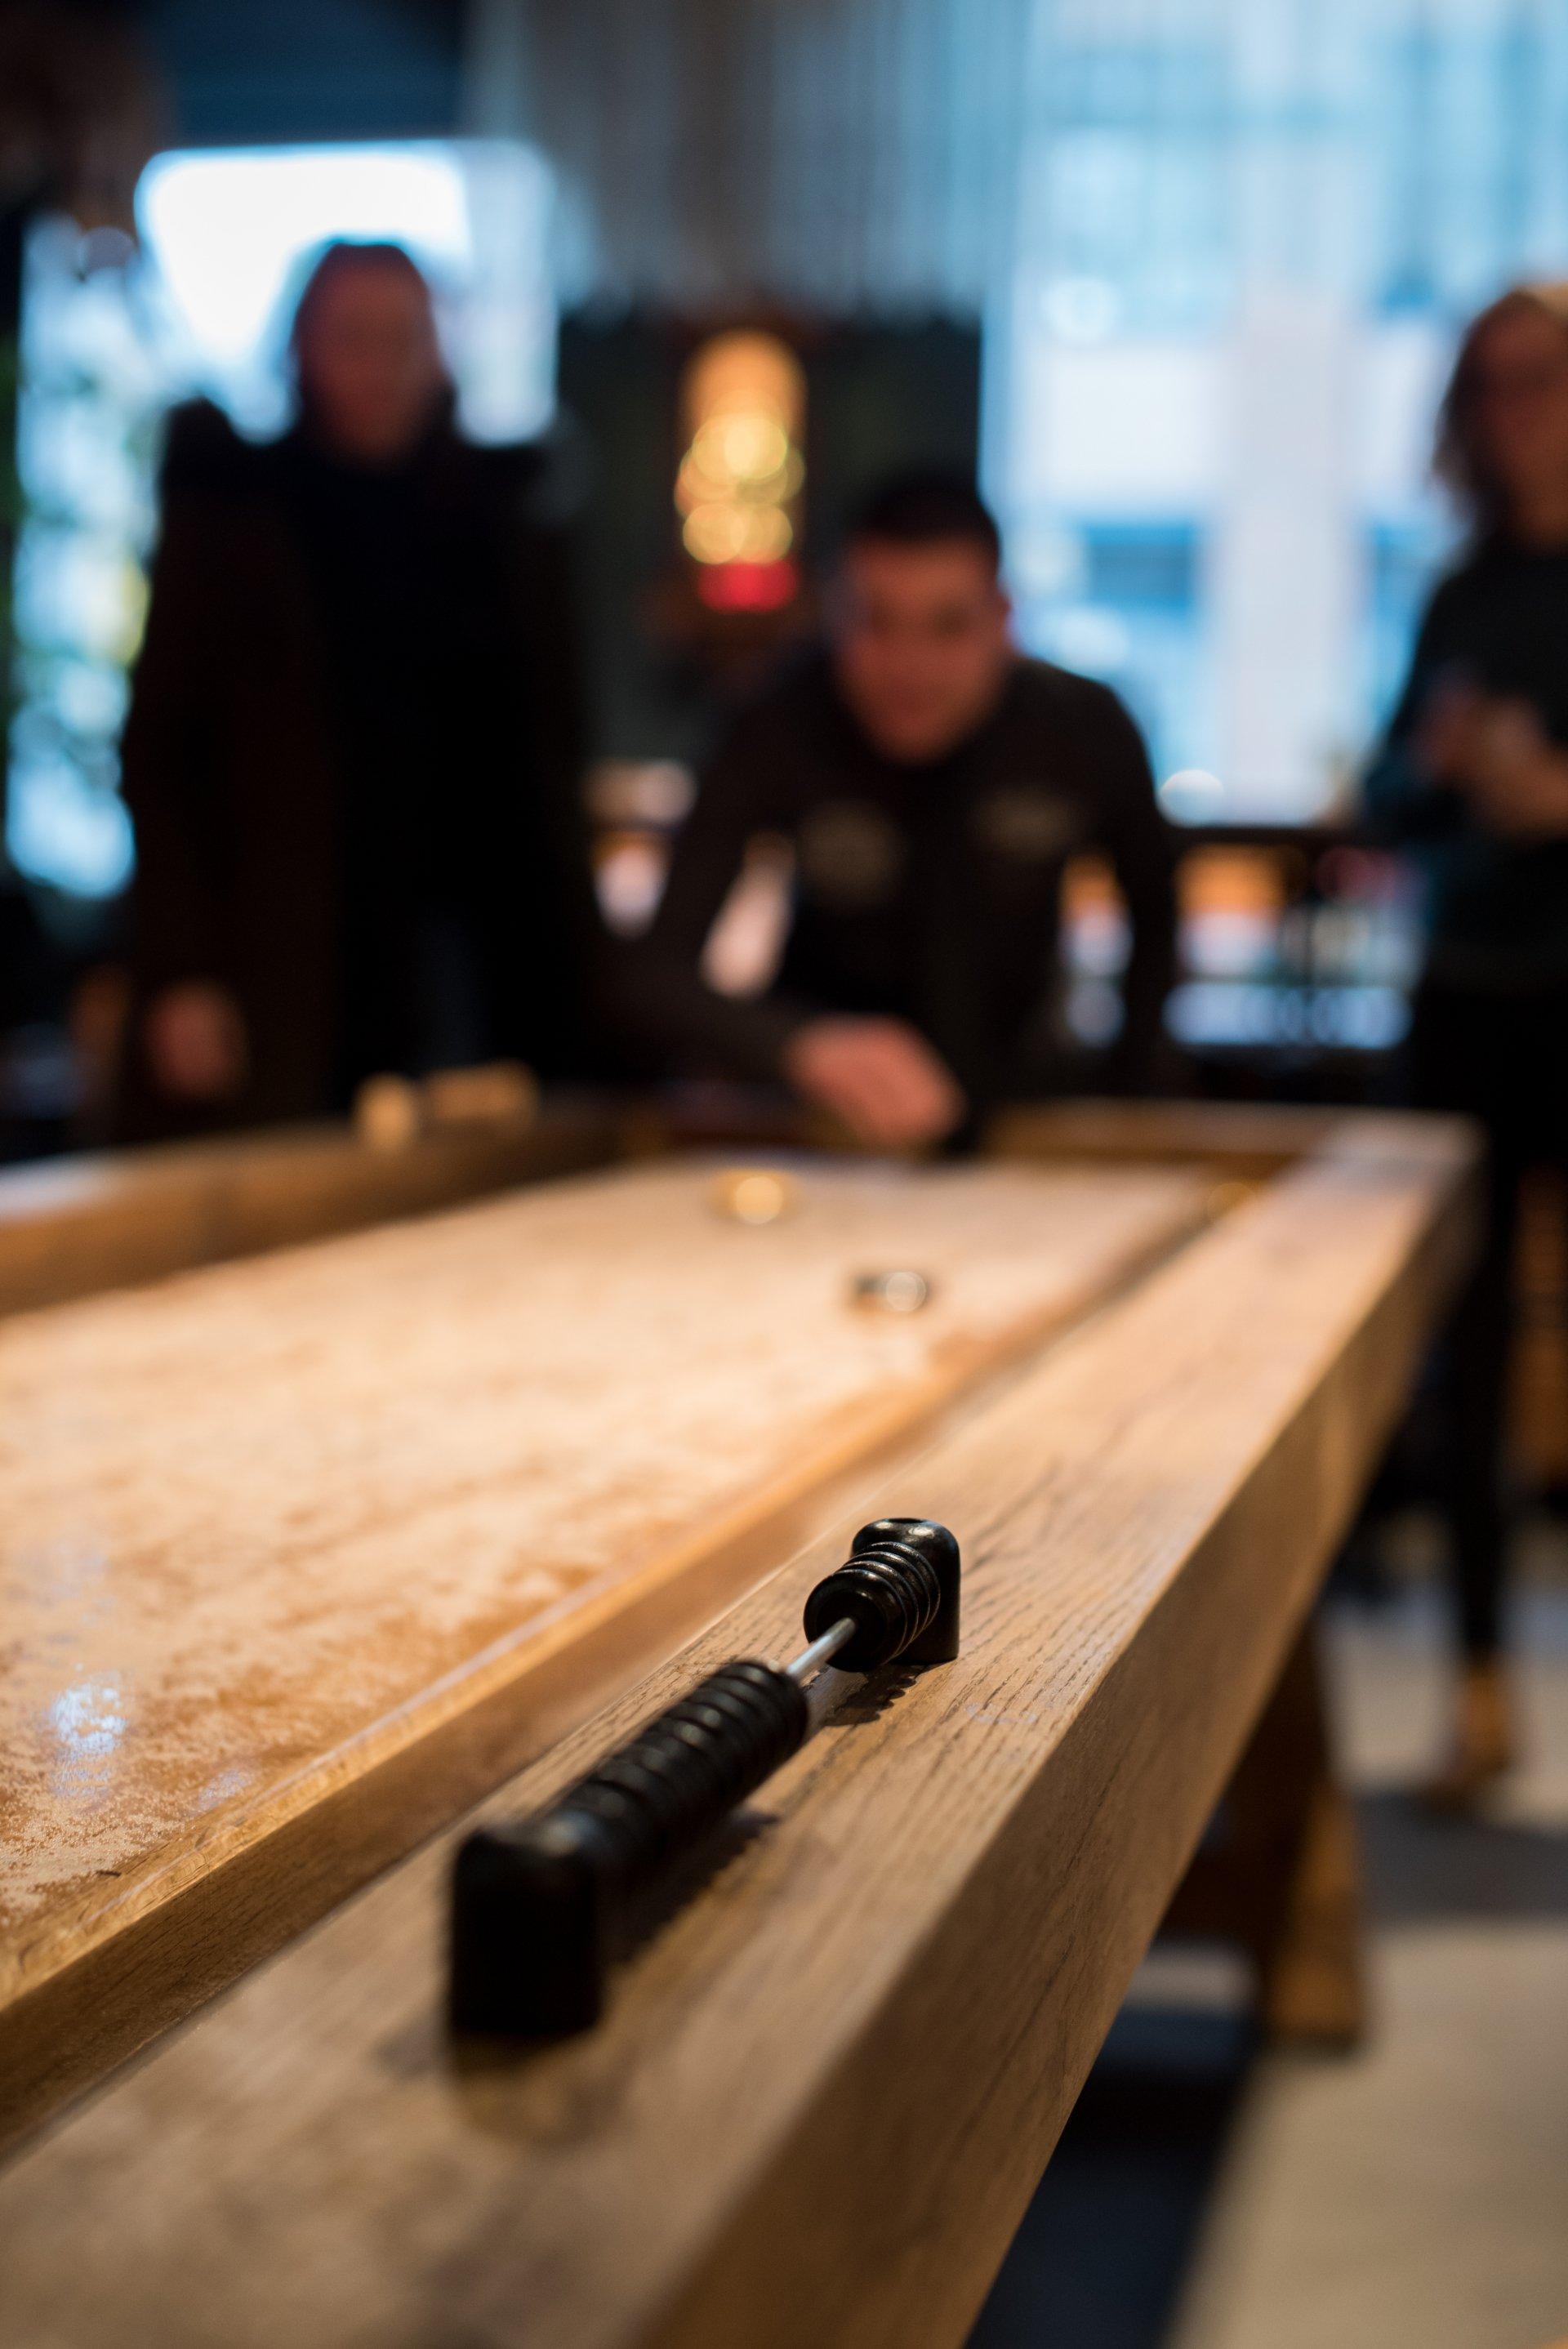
(72, 1226)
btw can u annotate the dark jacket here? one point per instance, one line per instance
(260, 842)
(931, 894)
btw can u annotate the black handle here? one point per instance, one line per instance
(898, 1586)
(541, 1908)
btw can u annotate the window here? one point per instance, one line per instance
(112, 335)
(1248, 238)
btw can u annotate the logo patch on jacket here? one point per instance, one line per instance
(1027, 824)
(848, 853)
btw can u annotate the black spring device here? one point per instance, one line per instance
(541, 1908)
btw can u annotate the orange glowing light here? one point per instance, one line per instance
(742, 475)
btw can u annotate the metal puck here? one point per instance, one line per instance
(753, 1194)
(901, 1290)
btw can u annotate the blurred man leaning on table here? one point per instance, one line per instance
(931, 783)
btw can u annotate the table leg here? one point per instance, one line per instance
(1281, 1872)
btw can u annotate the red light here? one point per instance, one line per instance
(746, 587)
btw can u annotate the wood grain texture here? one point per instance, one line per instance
(826, 2090)
(74, 1226)
(1244, 1139)
(300, 1555)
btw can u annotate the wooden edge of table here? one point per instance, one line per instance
(865, 2033)
(105, 1975)
(1245, 1139)
(74, 1226)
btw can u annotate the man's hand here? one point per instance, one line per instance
(879, 1076)
(195, 1041)
(1496, 752)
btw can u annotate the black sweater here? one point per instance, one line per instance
(927, 893)
(1497, 909)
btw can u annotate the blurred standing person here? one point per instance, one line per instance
(1472, 777)
(352, 753)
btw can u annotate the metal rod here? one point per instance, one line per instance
(821, 1651)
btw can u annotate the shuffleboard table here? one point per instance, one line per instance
(307, 1556)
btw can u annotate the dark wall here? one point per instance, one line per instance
(884, 398)
(878, 397)
(257, 72)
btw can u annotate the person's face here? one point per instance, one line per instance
(919, 643)
(1521, 403)
(372, 363)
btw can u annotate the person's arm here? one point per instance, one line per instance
(878, 1076)
(1496, 752)
(676, 1011)
(193, 1033)
(1141, 848)
(176, 901)
(1405, 802)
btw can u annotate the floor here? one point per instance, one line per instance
(1207, 2195)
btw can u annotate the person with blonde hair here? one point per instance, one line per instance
(1472, 781)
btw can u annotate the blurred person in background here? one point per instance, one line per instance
(931, 784)
(353, 754)
(31, 993)
(1473, 780)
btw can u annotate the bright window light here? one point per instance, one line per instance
(107, 343)
(231, 233)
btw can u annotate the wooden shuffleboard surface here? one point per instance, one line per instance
(301, 1555)
(72, 1226)
(825, 2090)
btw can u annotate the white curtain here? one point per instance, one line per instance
(833, 154)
